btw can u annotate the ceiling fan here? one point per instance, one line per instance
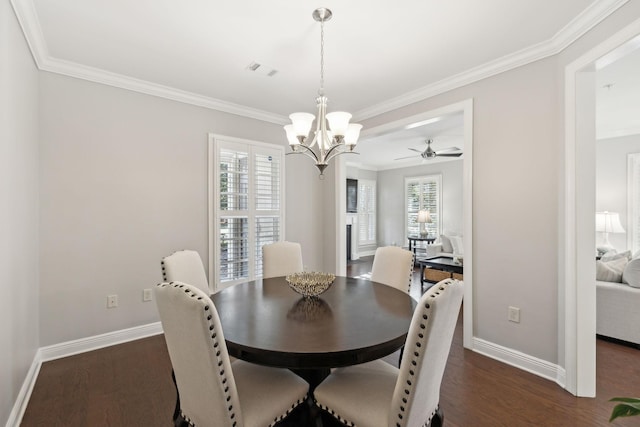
(430, 153)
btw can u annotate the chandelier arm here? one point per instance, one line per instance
(308, 152)
(328, 155)
(336, 154)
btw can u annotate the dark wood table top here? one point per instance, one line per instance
(354, 321)
(442, 263)
(428, 239)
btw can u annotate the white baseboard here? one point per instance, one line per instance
(82, 345)
(70, 348)
(20, 405)
(520, 360)
(367, 253)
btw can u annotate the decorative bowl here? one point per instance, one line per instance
(310, 283)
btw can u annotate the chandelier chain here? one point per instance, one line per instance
(321, 90)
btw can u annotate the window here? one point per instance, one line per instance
(633, 202)
(366, 212)
(246, 206)
(423, 193)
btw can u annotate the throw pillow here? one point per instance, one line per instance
(446, 244)
(456, 242)
(611, 255)
(631, 273)
(611, 271)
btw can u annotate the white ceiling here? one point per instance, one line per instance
(379, 55)
(381, 151)
(618, 92)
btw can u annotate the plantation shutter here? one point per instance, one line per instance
(423, 193)
(249, 207)
(366, 212)
(267, 199)
(633, 214)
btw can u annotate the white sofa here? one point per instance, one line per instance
(618, 304)
(446, 245)
(618, 311)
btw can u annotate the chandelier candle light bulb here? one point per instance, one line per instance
(334, 134)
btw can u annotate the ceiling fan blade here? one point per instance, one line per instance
(407, 157)
(448, 155)
(448, 149)
(417, 151)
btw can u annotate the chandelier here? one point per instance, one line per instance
(334, 134)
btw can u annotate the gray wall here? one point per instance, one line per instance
(518, 175)
(124, 183)
(391, 203)
(515, 202)
(611, 181)
(18, 210)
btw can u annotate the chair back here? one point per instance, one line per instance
(186, 267)
(281, 258)
(393, 266)
(198, 353)
(417, 392)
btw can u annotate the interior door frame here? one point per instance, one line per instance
(466, 106)
(577, 326)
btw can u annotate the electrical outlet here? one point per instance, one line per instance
(514, 314)
(112, 301)
(147, 295)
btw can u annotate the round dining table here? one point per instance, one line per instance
(354, 321)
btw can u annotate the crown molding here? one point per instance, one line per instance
(588, 19)
(28, 19)
(96, 75)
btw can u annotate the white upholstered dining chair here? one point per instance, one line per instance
(281, 258)
(214, 391)
(393, 266)
(376, 394)
(185, 266)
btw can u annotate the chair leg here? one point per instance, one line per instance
(438, 419)
(177, 418)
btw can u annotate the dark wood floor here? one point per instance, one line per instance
(130, 385)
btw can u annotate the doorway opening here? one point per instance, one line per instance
(466, 107)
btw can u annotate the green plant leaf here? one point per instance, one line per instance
(629, 408)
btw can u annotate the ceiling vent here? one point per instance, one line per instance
(261, 69)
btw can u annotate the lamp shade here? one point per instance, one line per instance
(291, 135)
(339, 122)
(353, 132)
(302, 123)
(424, 216)
(608, 222)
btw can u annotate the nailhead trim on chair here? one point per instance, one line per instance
(411, 266)
(409, 385)
(335, 414)
(416, 354)
(164, 273)
(287, 412)
(230, 411)
(220, 362)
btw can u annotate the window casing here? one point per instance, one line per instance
(633, 202)
(246, 206)
(423, 192)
